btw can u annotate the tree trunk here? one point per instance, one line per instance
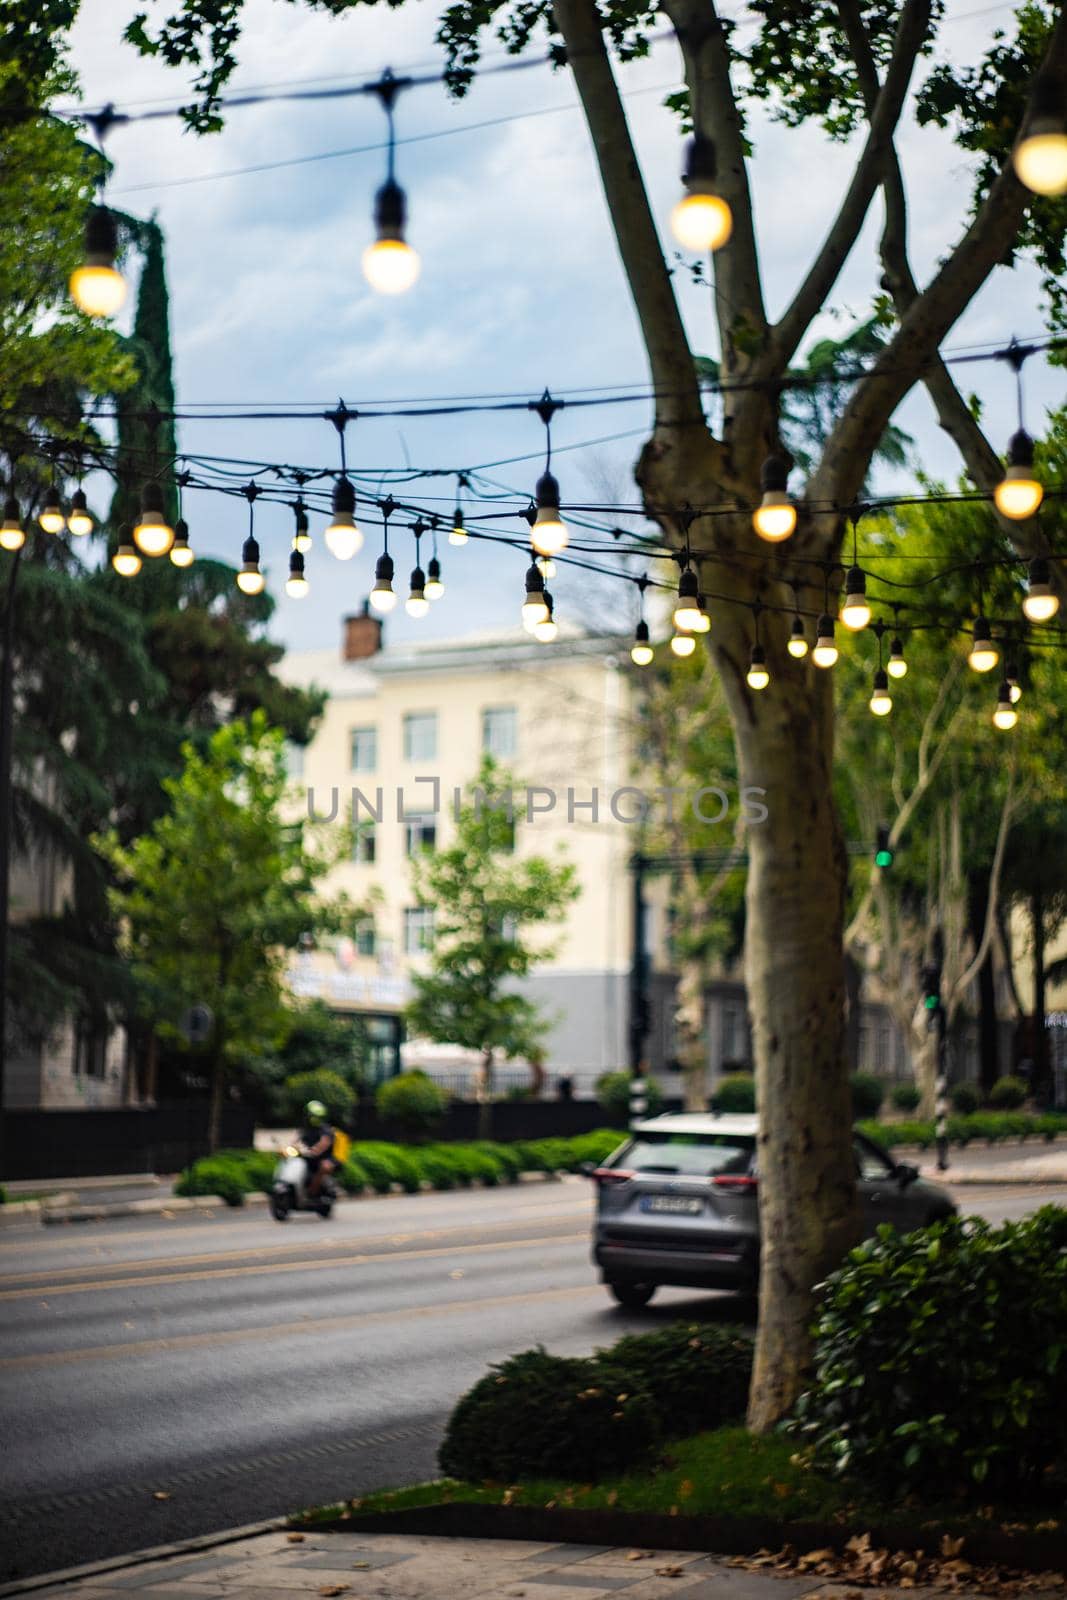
(1042, 1087)
(218, 1084)
(854, 1003)
(692, 1044)
(795, 978)
(484, 1093)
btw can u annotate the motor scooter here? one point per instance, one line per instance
(290, 1193)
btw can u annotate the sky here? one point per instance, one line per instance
(521, 287)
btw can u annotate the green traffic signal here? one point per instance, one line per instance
(883, 858)
(883, 850)
(931, 1001)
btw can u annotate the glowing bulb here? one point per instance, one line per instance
(775, 518)
(881, 701)
(1005, 716)
(545, 630)
(855, 611)
(79, 520)
(896, 666)
(1040, 157)
(1041, 601)
(641, 651)
(126, 561)
(180, 552)
(687, 613)
(1015, 692)
(11, 534)
(798, 644)
(825, 652)
(343, 536)
(549, 533)
(302, 536)
(416, 604)
(458, 533)
(757, 676)
(1018, 494)
(250, 580)
(702, 222)
(296, 584)
(434, 587)
(95, 287)
(683, 644)
(152, 533)
(391, 266)
(51, 515)
(703, 622)
(548, 567)
(983, 655)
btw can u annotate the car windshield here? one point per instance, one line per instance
(695, 1155)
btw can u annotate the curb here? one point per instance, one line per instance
(998, 1179)
(159, 1552)
(143, 1208)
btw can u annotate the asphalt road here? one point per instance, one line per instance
(243, 1369)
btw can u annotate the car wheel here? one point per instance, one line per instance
(632, 1295)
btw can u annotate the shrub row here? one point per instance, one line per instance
(992, 1126)
(378, 1166)
(537, 1414)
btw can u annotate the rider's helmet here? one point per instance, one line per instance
(315, 1111)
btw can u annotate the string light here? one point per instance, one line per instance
(641, 651)
(548, 567)
(701, 220)
(757, 676)
(1040, 157)
(96, 287)
(775, 518)
(855, 610)
(457, 534)
(302, 535)
(250, 580)
(534, 608)
(825, 652)
(416, 604)
(896, 666)
(434, 586)
(51, 515)
(152, 533)
(983, 655)
(703, 625)
(12, 536)
(181, 553)
(1018, 494)
(1041, 602)
(798, 641)
(296, 584)
(344, 538)
(79, 520)
(687, 612)
(548, 533)
(390, 265)
(683, 644)
(546, 630)
(1011, 678)
(126, 561)
(881, 701)
(1005, 716)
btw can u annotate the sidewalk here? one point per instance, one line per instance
(1027, 1164)
(364, 1566)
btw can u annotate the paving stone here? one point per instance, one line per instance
(572, 1577)
(342, 1560)
(570, 1552)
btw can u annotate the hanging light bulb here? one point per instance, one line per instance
(96, 287)
(798, 642)
(126, 561)
(825, 652)
(181, 552)
(534, 609)
(701, 220)
(855, 611)
(687, 612)
(434, 586)
(1041, 601)
(548, 567)
(775, 518)
(416, 604)
(79, 520)
(383, 597)
(302, 536)
(641, 651)
(250, 580)
(757, 676)
(1011, 678)
(881, 699)
(897, 667)
(546, 630)
(1005, 716)
(1018, 494)
(549, 532)
(683, 644)
(51, 515)
(1040, 157)
(390, 265)
(152, 533)
(704, 623)
(11, 535)
(983, 655)
(296, 584)
(343, 537)
(457, 533)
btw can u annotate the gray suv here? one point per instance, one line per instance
(677, 1204)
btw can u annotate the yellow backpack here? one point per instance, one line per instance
(342, 1147)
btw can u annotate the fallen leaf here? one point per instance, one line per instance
(361, 1566)
(950, 1546)
(295, 1538)
(334, 1588)
(160, 1494)
(636, 1555)
(669, 1572)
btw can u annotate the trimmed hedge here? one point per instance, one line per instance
(734, 1093)
(539, 1414)
(413, 1102)
(379, 1166)
(867, 1094)
(613, 1094)
(992, 1126)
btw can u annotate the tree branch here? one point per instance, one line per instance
(837, 246)
(670, 358)
(1007, 812)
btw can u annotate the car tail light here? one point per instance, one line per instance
(735, 1180)
(613, 1175)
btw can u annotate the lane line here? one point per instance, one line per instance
(285, 1330)
(44, 1292)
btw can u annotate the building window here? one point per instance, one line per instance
(364, 749)
(418, 929)
(500, 730)
(366, 942)
(294, 759)
(90, 1051)
(365, 845)
(419, 836)
(420, 736)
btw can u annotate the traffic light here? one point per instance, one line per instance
(931, 977)
(883, 854)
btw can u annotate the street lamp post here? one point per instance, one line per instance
(639, 1002)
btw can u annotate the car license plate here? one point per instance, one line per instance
(678, 1205)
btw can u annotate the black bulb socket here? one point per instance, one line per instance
(547, 493)
(344, 501)
(434, 569)
(641, 632)
(1020, 449)
(250, 552)
(296, 564)
(390, 210)
(101, 236)
(535, 583)
(774, 475)
(688, 587)
(384, 569)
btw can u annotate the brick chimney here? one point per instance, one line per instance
(362, 636)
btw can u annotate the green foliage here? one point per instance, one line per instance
(906, 1096)
(965, 1098)
(993, 1126)
(485, 900)
(386, 1164)
(537, 1412)
(230, 1174)
(867, 1094)
(613, 1094)
(413, 1101)
(940, 1361)
(734, 1093)
(329, 1087)
(1007, 1094)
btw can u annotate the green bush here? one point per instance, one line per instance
(595, 1147)
(905, 1096)
(696, 1374)
(223, 1174)
(613, 1095)
(940, 1361)
(1007, 1094)
(734, 1093)
(965, 1098)
(386, 1164)
(413, 1102)
(336, 1095)
(867, 1094)
(542, 1415)
(353, 1176)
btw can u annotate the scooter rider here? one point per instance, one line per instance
(316, 1145)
